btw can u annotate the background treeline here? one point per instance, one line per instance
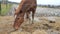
(49, 6)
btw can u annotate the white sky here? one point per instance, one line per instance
(52, 2)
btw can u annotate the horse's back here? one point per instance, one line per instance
(28, 4)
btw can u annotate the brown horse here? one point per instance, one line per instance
(26, 6)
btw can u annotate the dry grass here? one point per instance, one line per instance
(6, 25)
(39, 32)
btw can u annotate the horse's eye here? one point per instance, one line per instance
(20, 11)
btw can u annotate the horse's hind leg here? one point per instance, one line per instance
(33, 13)
(28, 16)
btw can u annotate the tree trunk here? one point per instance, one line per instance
(6, 3)
(0, 8)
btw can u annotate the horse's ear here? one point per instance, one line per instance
(15, 9)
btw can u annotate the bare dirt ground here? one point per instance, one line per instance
(41, 26)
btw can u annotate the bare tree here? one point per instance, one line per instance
(0, 7)
(5, 2)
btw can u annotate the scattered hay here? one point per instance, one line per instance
(18, 32)
(39, 32)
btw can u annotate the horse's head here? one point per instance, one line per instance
(19, 20)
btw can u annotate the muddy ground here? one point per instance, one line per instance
(41, 25)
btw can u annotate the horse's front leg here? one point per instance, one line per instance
(28, 16)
